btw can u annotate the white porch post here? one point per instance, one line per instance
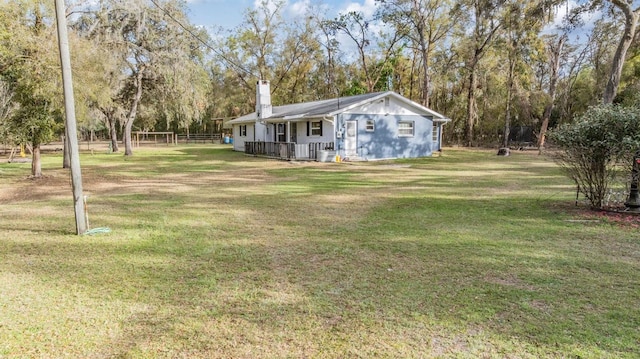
(288, 132)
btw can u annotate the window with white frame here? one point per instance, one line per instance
(434, 134)
(243, 130)
(315, 128)
(370, 126)
(281, 133)
(405, 129)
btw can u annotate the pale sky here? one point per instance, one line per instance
(228, 13)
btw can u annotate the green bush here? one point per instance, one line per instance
(598, 147)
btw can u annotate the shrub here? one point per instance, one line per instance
(598, 147)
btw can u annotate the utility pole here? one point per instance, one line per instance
(71, 133)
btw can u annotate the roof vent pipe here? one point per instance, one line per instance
(263, 100)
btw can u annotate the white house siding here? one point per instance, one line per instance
(260, 131)
(301, 132)
(238, 140)
(328, 133)
(387, 105)
(255, 132)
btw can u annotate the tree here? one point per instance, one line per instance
(554, 46)
(354, 25)
(522, 21)
(29, 66)
(264, 46)
(630, 16)
(629, 33)
(426, 23)
(299, 53)
(328, 65)
(594, 145)
(7, 110)
(485, 22)
(155, 51)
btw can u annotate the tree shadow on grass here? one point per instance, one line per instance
(334, 261)
(359, 286)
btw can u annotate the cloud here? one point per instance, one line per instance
(368, 8)
(299, 8)
(271, 4)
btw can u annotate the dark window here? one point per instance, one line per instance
(371, 125)
(281, 132)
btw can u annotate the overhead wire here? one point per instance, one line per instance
(200, 40)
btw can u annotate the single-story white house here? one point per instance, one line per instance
(381, 125)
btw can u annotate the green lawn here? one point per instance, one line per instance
(213, 254)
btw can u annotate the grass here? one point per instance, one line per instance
(216, 255)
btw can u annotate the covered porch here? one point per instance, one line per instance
(288, 150)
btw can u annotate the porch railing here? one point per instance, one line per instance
(287, 150)
(316, 147)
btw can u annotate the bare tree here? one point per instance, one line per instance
(354, 25)
(427, 23)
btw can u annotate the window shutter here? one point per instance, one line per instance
(308, 128)
(321, 127)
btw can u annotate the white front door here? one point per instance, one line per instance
(351, 139)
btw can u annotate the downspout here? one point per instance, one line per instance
(441, 135)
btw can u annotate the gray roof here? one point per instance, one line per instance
(322, 108)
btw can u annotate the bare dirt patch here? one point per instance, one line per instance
(32, 188)
(588, 216)
(616, 218)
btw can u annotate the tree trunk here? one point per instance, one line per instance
(472, 111)
(36, 164)
(113, 133)
(507, 115)
(507, 119)
(128, 145)
(556, 53)
(426, 84)
(631, 22)
(424, 49)
(128, 148)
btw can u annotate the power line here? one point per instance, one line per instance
(205, 43)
